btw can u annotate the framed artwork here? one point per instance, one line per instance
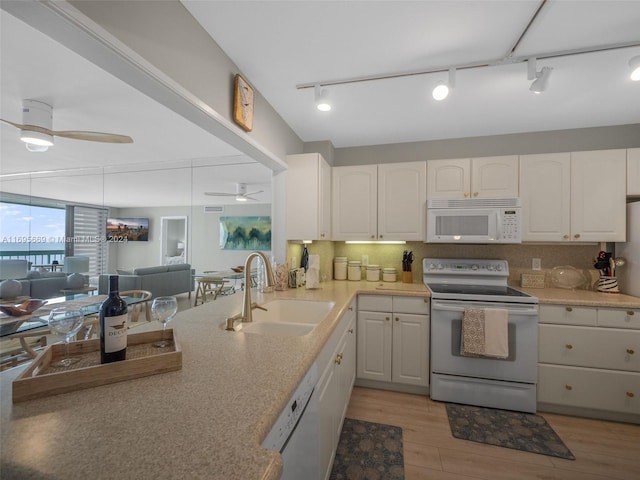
(245, 233)
(243, 103)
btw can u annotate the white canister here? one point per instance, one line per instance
(353, 270)
(373, 273)
(389, 275)
(340, 268)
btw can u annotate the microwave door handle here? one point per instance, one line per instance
(498, 225)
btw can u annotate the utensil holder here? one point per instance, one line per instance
(608, 285)
(407, 277)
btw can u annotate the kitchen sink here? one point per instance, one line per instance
(285, 318)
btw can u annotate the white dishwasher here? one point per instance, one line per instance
(296, 433)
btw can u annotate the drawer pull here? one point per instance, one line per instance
(566, 237)
(387, 318)
(630, 351)
(568, 387)
(338, 359)
(577, 235)
(568, 346)
(569, 309)
(630, 312)
(630, 394)
(397, 319)
(350, 330)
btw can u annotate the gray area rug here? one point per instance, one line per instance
(368, 451)
(504, 428)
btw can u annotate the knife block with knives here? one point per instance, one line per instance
(407, 260)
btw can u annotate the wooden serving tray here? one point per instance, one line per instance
(42, 379)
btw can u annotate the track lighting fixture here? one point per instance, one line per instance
(321, 98)
(441, 90)
(634, 64)
(540, 78)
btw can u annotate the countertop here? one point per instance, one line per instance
(206, 420)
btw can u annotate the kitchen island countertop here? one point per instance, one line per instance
(206, 420)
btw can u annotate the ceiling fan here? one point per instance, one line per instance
(241, 193)
(36, 133)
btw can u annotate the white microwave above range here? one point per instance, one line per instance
(474, 220)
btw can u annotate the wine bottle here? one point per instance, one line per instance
(113, 325)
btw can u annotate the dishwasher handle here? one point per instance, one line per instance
(456, 306)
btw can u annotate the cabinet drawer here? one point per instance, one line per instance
(568, 315)
(375, 303)
(619, 317)
(590, 347)
(589, 388)
(418, 305)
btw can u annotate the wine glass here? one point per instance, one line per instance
(66, 321)
(164, 309)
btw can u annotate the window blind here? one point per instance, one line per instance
(86, 236)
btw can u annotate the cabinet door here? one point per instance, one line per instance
(598, 196)
(303, 196)
(633, 171)
(410, 349)
(402, 197)
(324, 201)
(374, 345)
(346, 371)
(354, 202)
(493, 177)
(449, 178)
(545, 190)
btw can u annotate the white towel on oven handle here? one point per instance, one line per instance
(496, 333)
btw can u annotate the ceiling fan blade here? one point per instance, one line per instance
(93, 136)
(17, 125)
(220, 194)
(250, 198)
(253, 193)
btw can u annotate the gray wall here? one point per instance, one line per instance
(598, 138)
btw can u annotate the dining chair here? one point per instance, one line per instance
(136, 309)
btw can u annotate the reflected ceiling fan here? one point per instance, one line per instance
(241, 193)
(36, 133)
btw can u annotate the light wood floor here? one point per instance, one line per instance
(603, 450)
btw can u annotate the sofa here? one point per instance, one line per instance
(160, 281)
(34, 284)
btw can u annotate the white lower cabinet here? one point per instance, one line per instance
(393, 339)
(589, 359)
(337, 366)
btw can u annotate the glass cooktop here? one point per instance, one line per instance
(488, 290)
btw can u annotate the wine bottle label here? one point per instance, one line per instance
(115, 333)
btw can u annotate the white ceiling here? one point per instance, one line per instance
(171, 162)
(279, 45)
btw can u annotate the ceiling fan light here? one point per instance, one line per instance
(36, 148)
(634, 64)
(241, 199)
(36, 138)
(440, 91)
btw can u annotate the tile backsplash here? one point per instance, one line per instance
(518, 256)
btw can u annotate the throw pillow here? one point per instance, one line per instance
(75, 280)
(10, 289)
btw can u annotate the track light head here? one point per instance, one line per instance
(634, 64)
(321, 99)
(441, 90)
(540, 78)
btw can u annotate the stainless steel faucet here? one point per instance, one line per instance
(247, 307)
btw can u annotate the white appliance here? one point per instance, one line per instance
(629, 274)
(508, 383)
(296, 433)
(474, 220)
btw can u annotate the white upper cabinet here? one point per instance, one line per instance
(598, 196)
(308, 197)
(545, 191)
(402, 201)
(633, 171)
(573, 197)
(486, 177)
(354, 202)
(383, 202)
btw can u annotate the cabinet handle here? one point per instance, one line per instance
(475, 194)
(630, 394)
(381, 236)
(577, 235)
(569, 309)
(338, 359)
(425, 300)
(566, 237)
(569, 346)
(466, 194)
(568, 387)
(322, 235)
(630, 351)
(373, 237)
(350, 309)
(350, 330)
(397, 319)
(387, 318)
(630, 313)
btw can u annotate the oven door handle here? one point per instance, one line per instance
(513, 309)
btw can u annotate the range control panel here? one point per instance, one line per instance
(465, 266)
